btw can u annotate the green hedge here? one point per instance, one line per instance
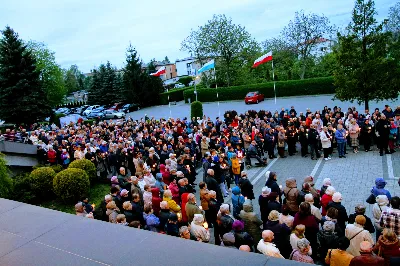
(175, 95)
(283, 88)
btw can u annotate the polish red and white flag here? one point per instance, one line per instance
(263, 59)
(159, 72)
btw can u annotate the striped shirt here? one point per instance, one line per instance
(391, 219)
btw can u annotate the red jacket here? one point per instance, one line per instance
(367, 259)
(324, 203)
(184, 198)
(156, 200)
(52, 156)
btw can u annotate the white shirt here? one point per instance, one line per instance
(269, 249)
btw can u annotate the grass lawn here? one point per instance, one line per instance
(96, 195)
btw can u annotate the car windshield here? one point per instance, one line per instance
(250, 94)
(126, 105)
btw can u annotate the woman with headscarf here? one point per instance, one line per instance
(251, 221)
(380, 206)
(241, 236)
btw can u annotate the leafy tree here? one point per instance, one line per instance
(151, 67)
(166, 60)
(132, 77)
(221, 38)
(393, 22)
(185, 80)
(365, 70)
(51, 73)
(73, 79)
(304, 33)
(22, 97)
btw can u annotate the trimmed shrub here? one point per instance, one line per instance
(185, 80)
(6, 183)
(283, 88)
(22, 189)
(57, 168)
(71, 184)
(85, 165)
(196, 109)
(89, 121)
(42, 181)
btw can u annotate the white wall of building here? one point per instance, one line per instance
(187, 67)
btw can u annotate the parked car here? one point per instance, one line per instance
(63, 110)
(254, 97)
(94, 115)
(112, 114)
(179, 85)
(117, 106)
(131, 107)
(99, 109)
(90, 109)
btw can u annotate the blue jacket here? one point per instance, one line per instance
(237, 201)
(340, 136)
(379, 188)
(152, 221)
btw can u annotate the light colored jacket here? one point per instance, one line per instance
(269, 249)
(355, 240)
(325, 141)
(354, 130)
(377, 210)
(197, 229)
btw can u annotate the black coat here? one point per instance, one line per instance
(273, 185)
(212, 184)
(163, 216)
(368, 223)
(342, 217)
(246, 188)
(326, 240)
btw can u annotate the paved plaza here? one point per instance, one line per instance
(301, 103)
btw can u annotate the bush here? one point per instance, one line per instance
(22, 190)
(42, 181)
(185, 80)
(57, 168)
(283, 88)
(55, 118)
(87, 166)
(175, 95)
(196, 109)
(6, 183)
(89, 121)
(71, 184)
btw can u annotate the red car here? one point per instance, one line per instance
(254, 97)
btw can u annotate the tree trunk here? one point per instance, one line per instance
(366, 103)
(303, 70)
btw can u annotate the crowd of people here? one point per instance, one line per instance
(151, 167)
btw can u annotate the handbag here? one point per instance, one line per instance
(371, 199)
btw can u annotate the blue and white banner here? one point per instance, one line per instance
(208, 66)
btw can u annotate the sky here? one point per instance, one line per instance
(89, 33)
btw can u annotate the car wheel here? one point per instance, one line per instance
(115, 117)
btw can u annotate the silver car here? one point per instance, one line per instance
(112, 114)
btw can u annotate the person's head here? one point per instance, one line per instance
(330, 191)
(267, 235)
(127, 205)
(273, 216)
(184, 232)
(329, 226)
(237, 226)
(107, 198)
(337, 197)
(285, 210)
(243, 174)
(395, 202)
(191, 198)
(309, 198)
(134, 224)
(79, 207)
(360, 209)
(224, 209)
(365, 247)
(305, 209)
(213, 194)
(360, 219)
(382, 200)
(122, 171)
(210, 172)
(121, 219)
(389, 235)
(148, 210)
(299, 230)
(135, 197)
(332, 213)
(202, 185)
(167, 194)
(111, 205)
(343, 243)
(164, 205)
(147, 188)
(245, 248)
(114, 190)
(303, 245)
(265, 191)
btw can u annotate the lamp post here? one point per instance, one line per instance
(195, 90)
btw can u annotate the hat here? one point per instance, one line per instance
(114, 178)
(337, 197)
(237, 226)
(228, 239)
(273, 216)
(265, 191)
(123, 192)
(309, 179)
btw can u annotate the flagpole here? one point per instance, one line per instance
(273, 77)
(216, 87)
